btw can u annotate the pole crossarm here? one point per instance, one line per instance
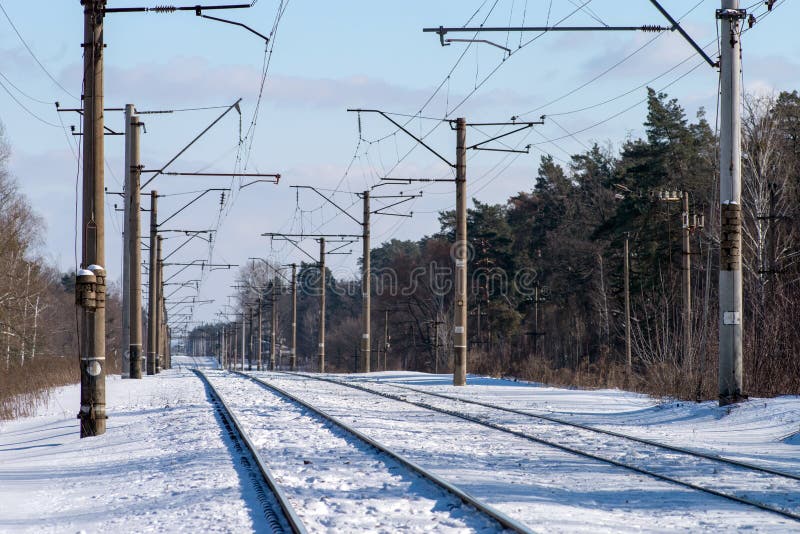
(180, 287)
(294, 243)
(329, 237)
(337, 206)
(202, 263)
(277, 271)
(187, 283)
(404, 198)
(184, 231)
(172, 9)
(193, 141)
(408, 181)
(195, 199)
(524, 126)
(226, 174)
(442, 31)
(401, 127)
(343, 244)
(198, 11)
(191, 301)
(187, 241)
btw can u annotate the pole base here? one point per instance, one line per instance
(93, 424)
(735, 398)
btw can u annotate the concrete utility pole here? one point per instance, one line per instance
(385, 338)
(459, 251)
(92, 413)
(322, 305)
(125, 340)
(363, 363)
(221, 355)
(157, 296)
(244, 341)
(293, 365)
(436, 324)
(234, 345)
(536, 334)
(273, 338)
(134, 250)
(250, 340)
(152, 282)
(730, 187)
(260, 334)
(627, 275)
(460, 257)
(686, 267)
(164, 362)
(365, 290)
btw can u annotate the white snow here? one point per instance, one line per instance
(165, 465)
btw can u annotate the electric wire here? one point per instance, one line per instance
(30, 51)
(23, 93)
(25, 108)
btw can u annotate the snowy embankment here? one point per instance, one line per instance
(165, 465)
(162, 466)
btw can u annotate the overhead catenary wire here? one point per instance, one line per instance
(572, 134)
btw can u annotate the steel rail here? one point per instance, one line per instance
(565, 448)
(645, 441)
(237, 432)
(498, 516)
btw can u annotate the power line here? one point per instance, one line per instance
(27, 110)
(23, 93)
(28, 48)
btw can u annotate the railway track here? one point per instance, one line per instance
(319, 439)
(778, 492)
(276, 506)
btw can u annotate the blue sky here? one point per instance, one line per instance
(329, 56)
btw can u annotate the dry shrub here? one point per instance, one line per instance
(23, 387)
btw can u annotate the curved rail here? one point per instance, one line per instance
(286, 516)
(498, 516)
(565, 448)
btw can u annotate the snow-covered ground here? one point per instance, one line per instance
(335, 482)
(165, 465)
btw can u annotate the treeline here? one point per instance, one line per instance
(38, 323)
(546, 269)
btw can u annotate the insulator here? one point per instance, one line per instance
(652, 28)
(164, 9)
